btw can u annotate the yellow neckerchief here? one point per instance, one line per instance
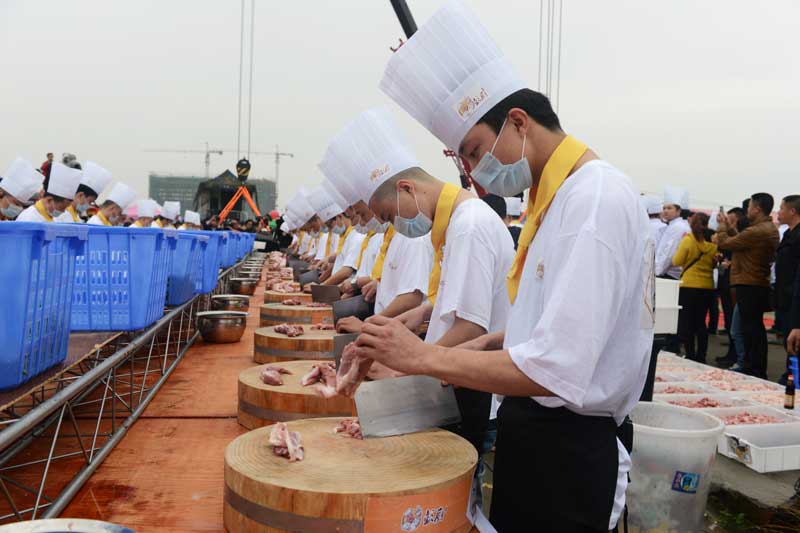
(328, 240)
(441, 220)
(183, 227)
(39, 205)
(159, 224)
(103, 218)
(343, 238)
(377, 268)
(73, 213)
(540, 196)
(301, 237)
(137, 224)
(363, 247)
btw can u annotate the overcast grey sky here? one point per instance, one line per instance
(699, 94)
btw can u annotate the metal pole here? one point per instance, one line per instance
(277, 169)
(405, 17)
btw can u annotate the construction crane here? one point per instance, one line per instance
(208, 151)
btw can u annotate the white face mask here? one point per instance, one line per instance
(412, 227)
(82, 208)
(113, 219)
(373, 224)
(360, 229)
(500, 179)
(56, 213)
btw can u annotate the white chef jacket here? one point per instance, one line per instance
(294, 239)
(349, 254)
(95, 220)
(66, 218)
(477, 255)
(657, 228)
(31, 214)
(668, 245)
(370, 255)
(406, 269)
(582, 323)
(323, 239)
(305, 244)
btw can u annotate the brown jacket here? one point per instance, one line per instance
(753, 251)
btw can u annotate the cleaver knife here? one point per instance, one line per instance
(326, 294)
(310, 276)
(339, 342)
(356, 306)
(397, 406)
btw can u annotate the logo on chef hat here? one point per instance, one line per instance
(378, 172)
(467, 106)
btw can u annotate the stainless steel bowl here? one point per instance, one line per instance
(221, 326)
(243, 285)
(73, 525)
(230, 302)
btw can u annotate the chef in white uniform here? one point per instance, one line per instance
(117, 201)
(328, 212)
(95, 179)
(574, 356)
(191, 221)
(145, 213)
(60, 189)
(675, 199)
(303, 214)
(169, 213)
(402, 266)
(653, 205)
(20, 182)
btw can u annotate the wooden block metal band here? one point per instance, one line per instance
(282, 416)
(297, 354)
(289, 319)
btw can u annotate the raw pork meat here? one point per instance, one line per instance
(286, 443)
(271, 375)
(287, 273)
(323, 377)
(278, 285)
(322, 326)
(746, 418)
(718, 375)
(673, 389)
(350, 427)
(317, 304)
(289, 330)
(741, 386)
(292, 301)
(352, 370)
(702, 402)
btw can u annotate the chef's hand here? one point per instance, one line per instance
(793, 342)
(413, 318)
(349, 324)
(388, 341)
(346, 288)
(369, 290)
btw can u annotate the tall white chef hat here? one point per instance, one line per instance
(334, 193)
(368, 151)
(301, 208)
(513, 206)
(146, 208)
(323, 204)
(122, 195)
(337, 178)
(676, 195)
(171, 210)
(192, 217)
(21, 180)
(95, 177)
(63, 181)
(284, 227)
(651, 203)
(450, 73)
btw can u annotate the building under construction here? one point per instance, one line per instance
(209, 196)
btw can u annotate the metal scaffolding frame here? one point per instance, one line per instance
(79, 416)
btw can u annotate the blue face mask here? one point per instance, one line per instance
(338, 230)
(82, 208)
(12, 211)
(373, 225)
(412, 227)
(500, 179)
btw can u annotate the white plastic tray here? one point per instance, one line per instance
(763, 448)
(695, 388)
(726, 400)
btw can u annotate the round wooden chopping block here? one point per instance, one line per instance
(277, 313)
(277, 297)
(262, 405)
(274, 347)
(347, 485)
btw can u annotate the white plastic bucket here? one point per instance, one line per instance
(673, 451)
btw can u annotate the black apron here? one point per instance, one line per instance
(475, 407)
(555, 470)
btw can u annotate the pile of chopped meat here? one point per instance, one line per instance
(675, 389)
(278, 285)
(350, 427)
(352, 370)
(776, 399)
(741, 386)
(287, 273)
(701, 403)
(317, 304)
(290, 330)
(286, 443)
(323, 377)
(718, 375)
(271, 375)
(746, 418)
(323, 326)
(292, 301)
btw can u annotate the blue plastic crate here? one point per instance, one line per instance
(223, 247)
(184, 258)
(120, 282)
(37, 274)
(231, 249)
(207, 272)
